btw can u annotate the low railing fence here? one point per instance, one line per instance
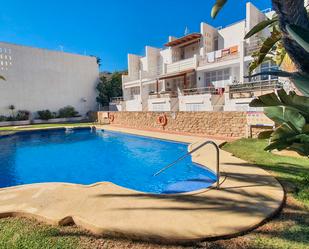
(199, 90)
(116, 100)
(255, 86)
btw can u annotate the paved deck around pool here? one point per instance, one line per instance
(247, 196)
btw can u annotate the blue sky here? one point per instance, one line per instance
(109, 28)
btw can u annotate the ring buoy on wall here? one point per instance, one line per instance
(111, 117)
(162, 120)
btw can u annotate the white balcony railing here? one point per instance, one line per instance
(182, 65)
(134, 104)
(199, 91)
(205, 61)
(262, 85)
(129, 78)
(166, 94)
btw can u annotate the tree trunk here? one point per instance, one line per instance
(293, 12)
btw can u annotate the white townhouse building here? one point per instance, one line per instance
(198, 72)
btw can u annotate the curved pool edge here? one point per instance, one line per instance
(110, 210)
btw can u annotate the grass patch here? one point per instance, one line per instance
(291, 228)
(26, 234)
(42, 126)
(292, 172)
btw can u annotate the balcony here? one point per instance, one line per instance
(129, 78)
(134, 104)
(256, 86)
(182, 65)
(196, 99)
(199, 91)
(165, 94)
(228, 56)
(252, 46)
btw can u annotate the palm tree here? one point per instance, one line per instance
(12, 108)
(293, 12)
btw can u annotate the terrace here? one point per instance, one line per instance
(255, 88)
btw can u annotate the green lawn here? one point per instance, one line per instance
(27, 234)
(291, 228)
(292, 172)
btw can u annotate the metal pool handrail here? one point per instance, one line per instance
(192, 151)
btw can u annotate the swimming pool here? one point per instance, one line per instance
(84, 156)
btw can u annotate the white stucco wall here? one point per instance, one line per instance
(199, 102)
(164, 104)
(232, 35)
(166, 56)
(241, 104)
(38, 79)
(143, 64)
(208, 36)
(133, 65)
(253, 17)
(134, 104)
(153, 59)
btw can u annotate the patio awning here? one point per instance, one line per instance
(175, 75)
(185, 39)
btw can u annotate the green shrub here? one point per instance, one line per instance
(3, 118)
(67, 112)
(22, 115)
(46, 114)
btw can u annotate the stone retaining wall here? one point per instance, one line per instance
(225, 124)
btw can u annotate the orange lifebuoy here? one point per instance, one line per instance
(111, 117)
(162, 120)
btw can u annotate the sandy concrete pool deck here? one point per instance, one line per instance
(247, 197)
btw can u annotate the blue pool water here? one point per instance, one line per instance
(85, 157)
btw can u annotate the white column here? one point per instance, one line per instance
(140, 88)
(195, 61)
(242, 61)
(163, 85)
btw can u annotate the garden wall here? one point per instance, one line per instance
(223, 124)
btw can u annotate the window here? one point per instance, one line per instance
(219, 78)
(268, 66)
(207, 79)
(273, 67)
(264, 68)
